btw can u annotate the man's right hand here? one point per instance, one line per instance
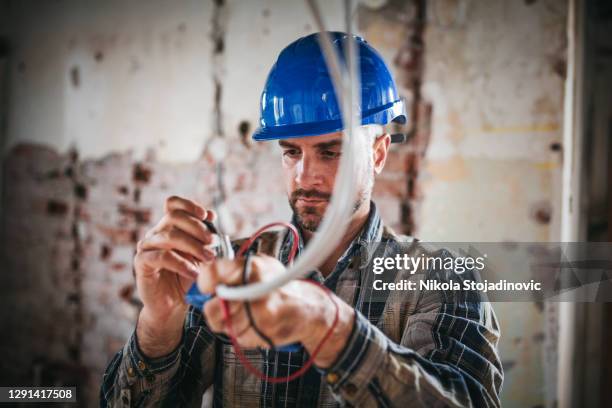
(166, 263)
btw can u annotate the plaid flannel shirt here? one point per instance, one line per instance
(407, 348)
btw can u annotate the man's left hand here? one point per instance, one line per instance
(297, 312)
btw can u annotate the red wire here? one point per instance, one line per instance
(261, 375)
(228, 318)
(294, 232)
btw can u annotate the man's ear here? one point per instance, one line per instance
(380, 151)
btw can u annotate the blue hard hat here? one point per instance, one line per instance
(299, 99)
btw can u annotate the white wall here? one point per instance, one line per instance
(145, 71)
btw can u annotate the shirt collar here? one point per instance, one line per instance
(370, 232)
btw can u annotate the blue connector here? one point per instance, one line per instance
(197, 299)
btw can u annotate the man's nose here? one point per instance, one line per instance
(308, 172)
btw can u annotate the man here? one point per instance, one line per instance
(405, 348)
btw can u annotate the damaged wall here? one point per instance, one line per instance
(485, 161)
(495, 158)
(114, 106)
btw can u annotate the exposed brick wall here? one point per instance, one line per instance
(70, 227)
(398, 28)
(38, 285)
(116, 80)
(69, 232)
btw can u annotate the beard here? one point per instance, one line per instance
(309, 217)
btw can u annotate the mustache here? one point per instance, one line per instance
(301, 193)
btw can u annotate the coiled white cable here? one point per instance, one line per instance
(338, 213)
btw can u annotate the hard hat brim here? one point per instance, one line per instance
(393, 112)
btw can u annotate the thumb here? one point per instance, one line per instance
(222, 271)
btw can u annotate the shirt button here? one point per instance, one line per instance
(141, 365)
(332, 378)
(351, 389)
(131, 371)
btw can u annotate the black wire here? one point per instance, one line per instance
(246, 272)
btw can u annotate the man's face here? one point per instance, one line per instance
(309, 169)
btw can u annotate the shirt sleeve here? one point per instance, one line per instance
(133, 379)
(446, 357)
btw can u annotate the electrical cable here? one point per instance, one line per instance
(302, 370)
(245, 249)
(337, 215)
(294, 232)
(246, 272)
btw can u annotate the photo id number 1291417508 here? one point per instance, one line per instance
(37, 394)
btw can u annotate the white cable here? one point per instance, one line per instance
(338, 213)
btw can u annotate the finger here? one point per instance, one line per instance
(240, 321)
(180, 203)
(186, 222)
(177, 239)
(214, 307)
(250, 338)
(264, 267)
(222, 271)
(195, 260)
(215, 316)
(184, 283)
(246, 330)
(210, 215)
(156, 260)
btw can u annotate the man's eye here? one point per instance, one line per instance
(329, 154)
(291, 152)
